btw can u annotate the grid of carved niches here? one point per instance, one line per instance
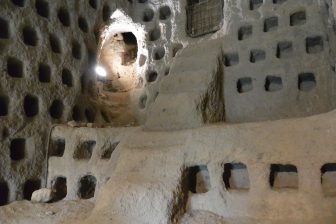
(276, 44)
(45, 57)
(50, 53)
(157, 20)
(279, 60)
(83, 152)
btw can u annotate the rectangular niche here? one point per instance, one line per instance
(231, 59)
(255, 4)
(273, 83)
(57, 147)
(271, 24)
(328, 179)
(284, 49)
(18, 149)
(298, 18)
(245, 32)
(84, 150)
(257, 55)
(306, 81)
(4, 29)
(314, 44)
(107, 152)
(284, 176)
(59, 187)
(4, 192)
(244, 85)
(30, 186)
(4, 105)
(236, 176)
(197, 179)
(204, 16)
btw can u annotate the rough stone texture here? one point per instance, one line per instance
(25, 119)
(140, 174)
(62, 41)
(192, 93)
(291, 140)
(202, 217)
(61, 212)
(139, 192)
(73, 165)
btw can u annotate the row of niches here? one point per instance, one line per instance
(159, 52)
(32, 38)
(42, 8)
(19, 148)
(272, 23)
(284, 50)
(305, 82)
(236, 177)
(83, 151)
(16, 69)
(27, 190)
(85, 188)
(164, 14)
(31, 107)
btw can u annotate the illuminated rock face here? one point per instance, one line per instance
(157, 139)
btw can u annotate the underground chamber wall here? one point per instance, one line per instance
(44, 54)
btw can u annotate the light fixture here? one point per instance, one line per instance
(100, 70)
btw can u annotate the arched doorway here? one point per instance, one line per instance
(118, 56)
(117, 75)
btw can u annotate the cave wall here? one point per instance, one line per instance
(46, 49)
